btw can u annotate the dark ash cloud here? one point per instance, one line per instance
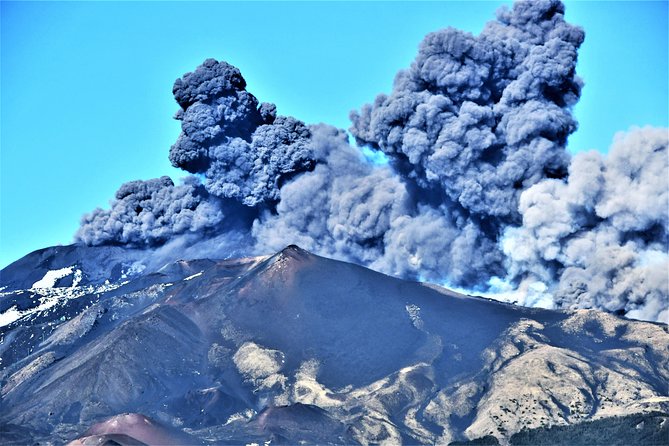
(476, 120)
(149, 213)
(479, 190)
(242, 149)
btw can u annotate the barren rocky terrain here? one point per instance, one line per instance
(294, 347)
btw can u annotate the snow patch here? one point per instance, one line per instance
(10, 316)
(50, 297)
(50, 278)
(241, 416)
(194, 276)
(78, 275)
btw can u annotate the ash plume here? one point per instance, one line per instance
(240, 151)
(241, 147)
(479, 188)
(600, 237)
(468, 127)
(149, 213)
(476, 120)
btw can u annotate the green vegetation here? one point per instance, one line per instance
(488, 440)
(647, 429)
(639, 429)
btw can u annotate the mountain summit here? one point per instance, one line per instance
(295, 347)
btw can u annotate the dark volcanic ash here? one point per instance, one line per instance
(149, 213)
(479, 185)
(242, 149)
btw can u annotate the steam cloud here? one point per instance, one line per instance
(479, 188)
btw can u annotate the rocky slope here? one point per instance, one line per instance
(294, 347)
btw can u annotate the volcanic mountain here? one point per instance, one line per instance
(102, 347)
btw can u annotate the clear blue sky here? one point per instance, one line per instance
(86, 99)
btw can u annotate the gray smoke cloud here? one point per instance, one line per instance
(600, 238)
(352, 210)
(240, 151)
(149, 213)
(479, 190)
(342, 209)
(476, 120)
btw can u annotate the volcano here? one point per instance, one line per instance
(100, 346)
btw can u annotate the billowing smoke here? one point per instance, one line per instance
(243, 150)
(600, 237)
(149, 213)
(240, 151)
(472, 123)
(479, 189)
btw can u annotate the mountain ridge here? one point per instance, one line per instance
(209, 346)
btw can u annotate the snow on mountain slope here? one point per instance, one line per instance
(295, 347)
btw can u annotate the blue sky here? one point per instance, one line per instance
(86, 99)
